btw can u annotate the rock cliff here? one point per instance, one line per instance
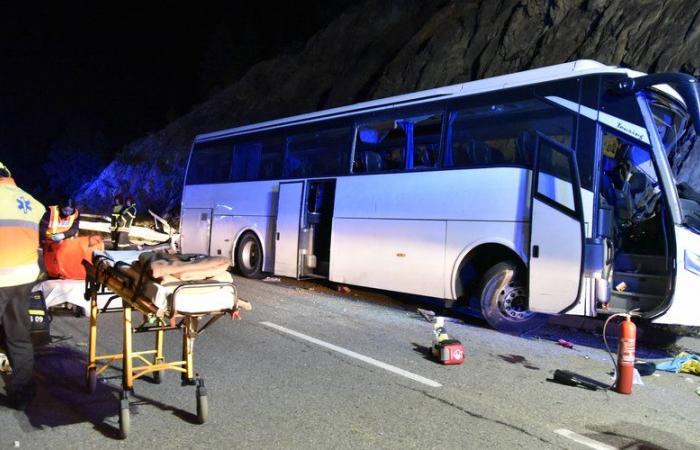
(379, 48)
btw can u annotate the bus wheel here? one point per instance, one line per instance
(249, 257)
(503, 297)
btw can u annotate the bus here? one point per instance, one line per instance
(557, 190)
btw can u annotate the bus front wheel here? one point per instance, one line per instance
(249, 257)
(503, 297)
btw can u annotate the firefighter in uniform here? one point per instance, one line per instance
(20, 215)
(122, 218)
(60, 223)
(116, 212)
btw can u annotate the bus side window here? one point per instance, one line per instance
(488, 134)
(210, 162)
(379, 147)
(316, 154)
(259, 159)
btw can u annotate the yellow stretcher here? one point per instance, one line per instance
(110, 279)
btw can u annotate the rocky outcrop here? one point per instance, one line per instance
(380, 48)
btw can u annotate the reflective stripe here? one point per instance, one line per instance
(19, 275)
(16, 223)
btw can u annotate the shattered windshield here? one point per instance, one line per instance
(682, 149)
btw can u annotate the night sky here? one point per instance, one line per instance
(88, 80)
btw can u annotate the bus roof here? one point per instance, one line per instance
(559, 71)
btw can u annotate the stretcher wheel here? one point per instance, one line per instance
(124, 419)
(91, 380)
(202, 405)
(157, 377)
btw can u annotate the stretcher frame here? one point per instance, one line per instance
(103, 280)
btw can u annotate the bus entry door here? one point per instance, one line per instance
(556, 229)
(289, 202)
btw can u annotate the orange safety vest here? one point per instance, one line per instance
(58, 224)
(20, 215)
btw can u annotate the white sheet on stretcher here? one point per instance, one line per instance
(58, 292)
(189, 300)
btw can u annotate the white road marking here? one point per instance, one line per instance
(583, 440)
(350, 353)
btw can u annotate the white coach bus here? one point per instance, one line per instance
(548, 191)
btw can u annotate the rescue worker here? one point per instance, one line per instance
(116, 212)
(20, 215)
(122, 222)
(60, 223)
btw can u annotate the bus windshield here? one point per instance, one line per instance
(682, 149)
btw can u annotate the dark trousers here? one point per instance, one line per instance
(120, 240)
(14, 306)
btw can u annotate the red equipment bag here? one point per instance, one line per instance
(451, 352)
(64, 259)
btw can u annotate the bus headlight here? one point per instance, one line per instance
(692, 262)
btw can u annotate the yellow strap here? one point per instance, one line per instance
(37, 312)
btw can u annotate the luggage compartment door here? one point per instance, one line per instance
(196, 230)
(289, 202)
(556, 229)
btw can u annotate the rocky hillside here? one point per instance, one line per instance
(380, 48)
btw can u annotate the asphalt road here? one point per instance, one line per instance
(309, 368)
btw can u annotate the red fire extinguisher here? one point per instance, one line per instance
(625, 356)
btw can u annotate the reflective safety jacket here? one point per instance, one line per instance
(122, 218)
(20, 215)
(116, 212)
(53, 223)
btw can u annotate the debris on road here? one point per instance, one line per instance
(682, 362)
(427, 314)
(645, 368)
(272, 279)
(565, 343)
(343, 289)
(569, 378)
(447, 351)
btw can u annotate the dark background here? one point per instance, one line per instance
(79, 81)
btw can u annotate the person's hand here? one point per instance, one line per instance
(58, 237)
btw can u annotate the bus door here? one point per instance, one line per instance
(556, 229)
(196, 230)
(316, 227)
(289, 203)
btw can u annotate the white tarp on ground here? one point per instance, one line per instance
(58, 292)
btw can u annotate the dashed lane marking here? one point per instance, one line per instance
(350, 353)
(583, 440)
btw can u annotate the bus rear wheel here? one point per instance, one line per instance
(503, 298)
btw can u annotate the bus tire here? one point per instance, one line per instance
(503, 298)
(249, 256)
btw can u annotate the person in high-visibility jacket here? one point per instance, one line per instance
(123, 216)
(20, 215)
(60, 223)
(117, 206)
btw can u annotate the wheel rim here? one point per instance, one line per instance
(512, 303)
(250, 255)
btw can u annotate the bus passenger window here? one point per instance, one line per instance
(488, 134)
(402, 144)
(380, 147)
(210, 163)
(426, 142)
(317, 154)
(257, 160)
